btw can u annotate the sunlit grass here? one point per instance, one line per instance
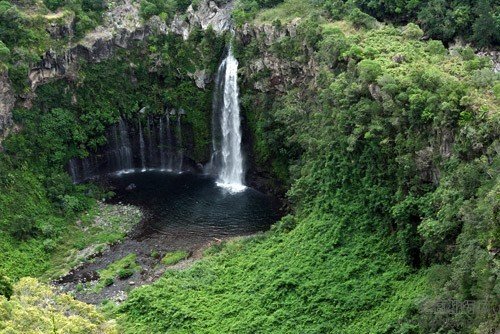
(287, 11)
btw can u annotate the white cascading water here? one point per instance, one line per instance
(162, 147)
(124, 149)
(150, 143)
(228, 152)
(142, 147)
(179, 139)
(169, 142)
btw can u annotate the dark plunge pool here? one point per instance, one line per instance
(182, 212)
(192, 207)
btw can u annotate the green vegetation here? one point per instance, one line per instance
(287, 11)
(69, 243)
(25, 33)
(36, 308)
(388, 146)
(475, 22)
(315, 278)
(164, 9)
(122, 269)
(390, 214)
(96, 230)
(172, 258)
(6, 288)
(246, 10)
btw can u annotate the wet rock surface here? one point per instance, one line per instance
(149, 248)
(181, 212)
(7, 100)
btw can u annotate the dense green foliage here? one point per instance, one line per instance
(37, 308)
(476, 22)
(389, 147)
(246, 10)
(165, 9)
(313, 279)
(391, 153)
(6, 288)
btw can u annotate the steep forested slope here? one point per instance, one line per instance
(386, 141)
(392, 152)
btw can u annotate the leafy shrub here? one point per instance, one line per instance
(53, 4)
(6, 288)
(412, 31)
(496, 90)
(360, 19)
(49, 245)
(485, 77)
(35, 307)
(4, 52)
(108, 281)
(369, 70)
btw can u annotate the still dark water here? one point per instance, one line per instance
(183, 212)
(189, 206)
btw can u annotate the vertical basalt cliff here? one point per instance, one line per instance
(7, 101)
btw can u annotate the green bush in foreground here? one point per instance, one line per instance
(36, 308)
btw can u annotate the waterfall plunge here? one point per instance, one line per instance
(142, 147)
(227, 158)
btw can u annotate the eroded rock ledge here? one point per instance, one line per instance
(283, 73)
(7, 101)
(121, 28)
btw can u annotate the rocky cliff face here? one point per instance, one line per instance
(269, 72)
(121, 28)
(7, 100)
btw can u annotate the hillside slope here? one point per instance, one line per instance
(391, 145)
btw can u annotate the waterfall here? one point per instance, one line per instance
(142, 147)
(227, 158)
(150, 144)
(170, 144)
(179, 131)
(125, 150)
(162, 146)
(73, 170)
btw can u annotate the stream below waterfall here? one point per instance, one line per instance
(182, 212)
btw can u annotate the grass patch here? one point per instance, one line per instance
(103, 225)
(358, 280)
(123, 268)
(172, 258)
(286, 11)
